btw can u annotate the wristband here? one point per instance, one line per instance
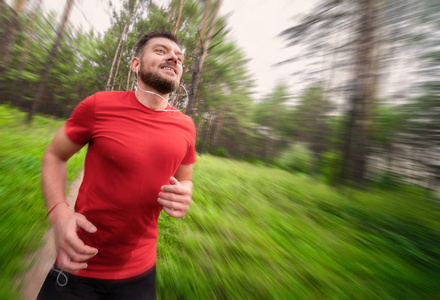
(53, 207)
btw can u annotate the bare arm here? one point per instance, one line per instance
(176, 198)
(184, 175)
(72, 252)
(53, 171)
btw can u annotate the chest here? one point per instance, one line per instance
(133, 140)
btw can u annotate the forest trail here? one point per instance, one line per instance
(43, 258)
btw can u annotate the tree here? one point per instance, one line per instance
(179, 15)
(11, 33)
(81, 67)
(224, 103)
(358, 21)
(24, 55)
(377, 36)
(268, 115)
(200, 52)
(311, 122)
(121, 41)
(44, 76)
(363, 95)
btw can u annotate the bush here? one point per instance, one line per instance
(388, 181)
(331, 166)
(221, 152)
(297, 158)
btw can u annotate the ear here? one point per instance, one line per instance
(134, 66)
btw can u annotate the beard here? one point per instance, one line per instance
(157, 82)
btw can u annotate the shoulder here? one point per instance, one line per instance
(112, 95)
(184, 119)
(111, 99)
(186, 123)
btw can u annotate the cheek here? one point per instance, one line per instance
(180, 71)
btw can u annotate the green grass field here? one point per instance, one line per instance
(252, 232)
(260, 233)
(22, 210)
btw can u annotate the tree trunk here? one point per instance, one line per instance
(200, 125)
(25, 52)
(195, 64)
(132, 85)
(119, 62)
(129, 76)
(48, 67)
(120, 83)
(209, 35)
(19, 5)
(179, 15)
(170, 15)
(356, 138)
(107, 87)
(218, 128)
(29, 32)
(200, 54)
(207, 130)
(11, 32)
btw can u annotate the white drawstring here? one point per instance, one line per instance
(60, 272)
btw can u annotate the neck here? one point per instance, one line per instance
(151, 99)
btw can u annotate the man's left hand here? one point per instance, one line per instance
(176, 198)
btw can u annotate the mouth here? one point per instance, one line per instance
(170, 69)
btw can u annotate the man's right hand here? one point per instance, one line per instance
(71, 250)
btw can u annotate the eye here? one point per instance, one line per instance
(160, 51)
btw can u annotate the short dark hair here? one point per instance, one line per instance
(154, 34)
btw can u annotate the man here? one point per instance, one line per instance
(139, 161)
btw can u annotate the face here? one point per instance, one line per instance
(161, 65)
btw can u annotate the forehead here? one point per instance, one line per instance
(160, 41)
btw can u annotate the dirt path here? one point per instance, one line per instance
(44, 258)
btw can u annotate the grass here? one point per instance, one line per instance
(252, 232)
(22, 210)
(260, 233)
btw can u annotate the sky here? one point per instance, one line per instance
(254, 24)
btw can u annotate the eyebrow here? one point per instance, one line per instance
(179, 52)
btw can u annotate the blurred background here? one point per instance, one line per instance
(318, 134)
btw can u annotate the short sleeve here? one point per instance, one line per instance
(190, 156)
(80, 125)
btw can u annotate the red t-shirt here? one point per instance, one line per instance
(132, 152)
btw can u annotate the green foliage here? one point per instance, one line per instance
(306, 121)
(331, 167)
(72, 77)
(252, 232)
(268, 112)
(31, 77)
(387, 122)
(225, 94)
(297, 158)
(221, 152)
(388, 181)
(83, 62)
(22, 210)
(260, 233)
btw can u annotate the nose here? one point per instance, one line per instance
(172, 57)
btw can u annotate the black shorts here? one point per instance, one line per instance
(142, 287)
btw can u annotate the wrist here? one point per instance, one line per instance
(57, 211)
(187, 183)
